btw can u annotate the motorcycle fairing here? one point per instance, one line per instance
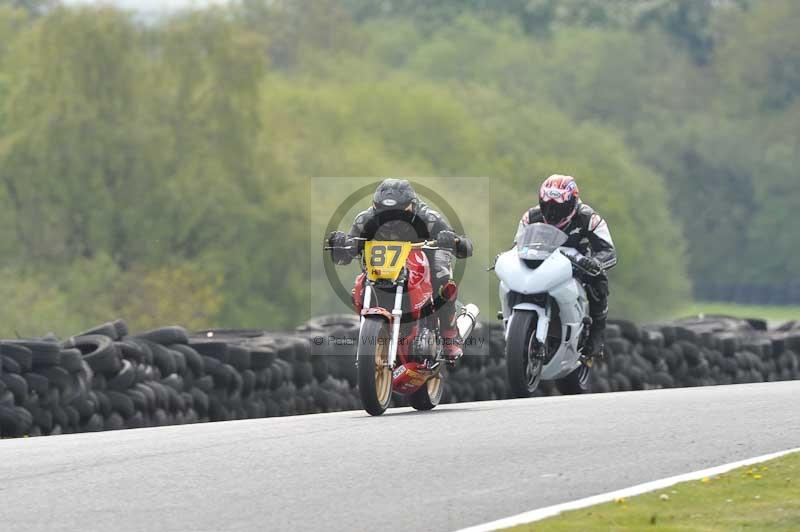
(520, 278)
(409, 377)
(418, 285)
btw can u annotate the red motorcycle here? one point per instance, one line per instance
(400, 345)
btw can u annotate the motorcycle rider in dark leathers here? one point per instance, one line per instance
(588, 233)
(398, 214)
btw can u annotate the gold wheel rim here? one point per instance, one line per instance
(383, 374)
(434, 387)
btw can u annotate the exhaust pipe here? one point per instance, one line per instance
(465, 322)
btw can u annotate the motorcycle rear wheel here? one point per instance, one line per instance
(576, 383)
(429, 395)
(374, 373)
(524, 369)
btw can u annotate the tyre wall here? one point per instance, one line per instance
(107, 379)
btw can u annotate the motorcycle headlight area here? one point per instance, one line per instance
(515, 298)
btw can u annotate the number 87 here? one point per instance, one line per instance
(378, 257)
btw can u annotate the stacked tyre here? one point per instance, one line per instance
(107, 379)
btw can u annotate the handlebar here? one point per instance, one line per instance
(425, 244)
(572, 254)
(574, 257)
(328, 248)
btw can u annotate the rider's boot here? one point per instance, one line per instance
(447, 320)
(452, 344)
(595, 343)
(598, 311)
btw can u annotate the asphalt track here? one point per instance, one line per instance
(457, 466)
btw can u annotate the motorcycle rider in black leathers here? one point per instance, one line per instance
(397, 214)
(588, 233)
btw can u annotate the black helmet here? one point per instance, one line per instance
(393, 195)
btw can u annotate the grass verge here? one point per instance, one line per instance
(758, 497)
(774, 314)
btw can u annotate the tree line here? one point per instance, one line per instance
(160, 170)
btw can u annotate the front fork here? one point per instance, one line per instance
(543, 325)
(543, 316)
(397, 314)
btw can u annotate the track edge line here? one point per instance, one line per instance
(556, 509)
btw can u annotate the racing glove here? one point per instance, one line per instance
(343, 248)
(446, 240)
(464, 247)
(590, 265)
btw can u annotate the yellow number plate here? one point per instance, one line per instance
(385, 259)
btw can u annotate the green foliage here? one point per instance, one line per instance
(732, 164)
(65, 299)
(34, 7)
(33, 307)
(143, 146)
(761, 52)
(295, 26)
(160, 172)
(74, 130)
(687, 22)
(186, 290)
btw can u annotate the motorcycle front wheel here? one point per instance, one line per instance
(523, 365)
(374, 373)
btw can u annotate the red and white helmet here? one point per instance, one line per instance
(558, 200)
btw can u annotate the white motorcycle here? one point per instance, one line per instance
(545, 312)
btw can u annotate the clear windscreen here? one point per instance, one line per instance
(538, 241)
